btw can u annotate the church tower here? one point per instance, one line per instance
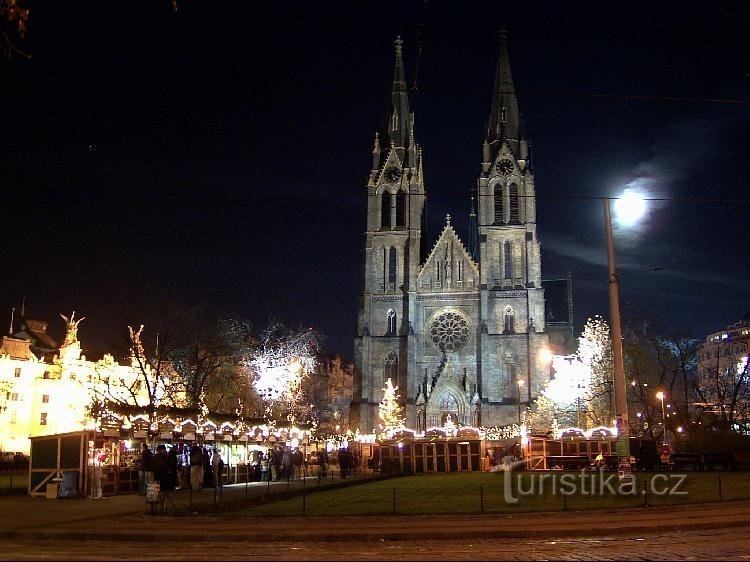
(512, 297)
(392, 254)
(458, 330)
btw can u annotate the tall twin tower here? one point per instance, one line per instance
(458, 328)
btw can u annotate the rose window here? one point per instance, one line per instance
(449, 331)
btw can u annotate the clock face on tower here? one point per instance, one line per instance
(505, 166)
(392, 173)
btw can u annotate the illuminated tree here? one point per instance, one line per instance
(390, 412)
(139, 388)
(595, 353)
(13, 25)
(279, 368)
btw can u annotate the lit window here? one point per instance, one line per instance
(18, 372)
(46, 375)
(43, 419)
(13, 415)
(45, 398)
(14, 397)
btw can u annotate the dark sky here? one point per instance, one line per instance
(219, 154)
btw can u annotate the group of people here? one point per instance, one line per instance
(278, 463)
(181, 466)
(500, 458)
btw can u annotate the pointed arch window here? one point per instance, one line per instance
(392, 267)
(498, 191)
(391, 320)
(510, 378)
(508, 321)
(514, 203)
(390, 370)
(401, 209)
(385, 210)
(507, 261)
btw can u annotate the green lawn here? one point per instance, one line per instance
(488, 493)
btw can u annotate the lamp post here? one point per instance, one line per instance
(660, 396)
(621, 403)
(520, 386)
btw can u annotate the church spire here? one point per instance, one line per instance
(504, 117)
(399, 122)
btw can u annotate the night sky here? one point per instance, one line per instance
(219, 154)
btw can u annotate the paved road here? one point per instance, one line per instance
(715, 544)
(120, 528)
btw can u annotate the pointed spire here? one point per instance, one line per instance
(504, 116)
(399, 123)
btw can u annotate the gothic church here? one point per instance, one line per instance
(460, 329)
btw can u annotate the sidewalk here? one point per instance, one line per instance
(128, 517)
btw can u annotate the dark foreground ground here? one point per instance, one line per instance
(122, 528)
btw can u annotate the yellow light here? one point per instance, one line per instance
(660, 395)
(545, 355)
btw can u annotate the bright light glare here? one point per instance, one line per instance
(629, 207)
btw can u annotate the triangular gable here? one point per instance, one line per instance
(392, 162)
(449, 266)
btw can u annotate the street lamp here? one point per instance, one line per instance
(520, 386)
(660, 396)
(621, 403)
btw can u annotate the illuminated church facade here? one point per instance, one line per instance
(458, 327)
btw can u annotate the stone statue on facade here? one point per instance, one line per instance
(71, 335)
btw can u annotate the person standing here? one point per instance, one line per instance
(147, 467)
(264, 476)
(208, 473)
(217, 466)
(196, 467)
(172, 468)
(323, 460)
(161, 467)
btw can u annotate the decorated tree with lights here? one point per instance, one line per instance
(138, 389)
(595, 353)
(279, 368)
(390, 412)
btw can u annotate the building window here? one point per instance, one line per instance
(514, 203)
(385, 210)
(510, 386)
(401, 209)
(18, 372)
(46, 375)
(391, 318)
(499, 218)
(13, 416)
(392, 267)
(391, 369)
(45, 398)
(507, 261)
(43, 419)
(14, 397)
(508, 321)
